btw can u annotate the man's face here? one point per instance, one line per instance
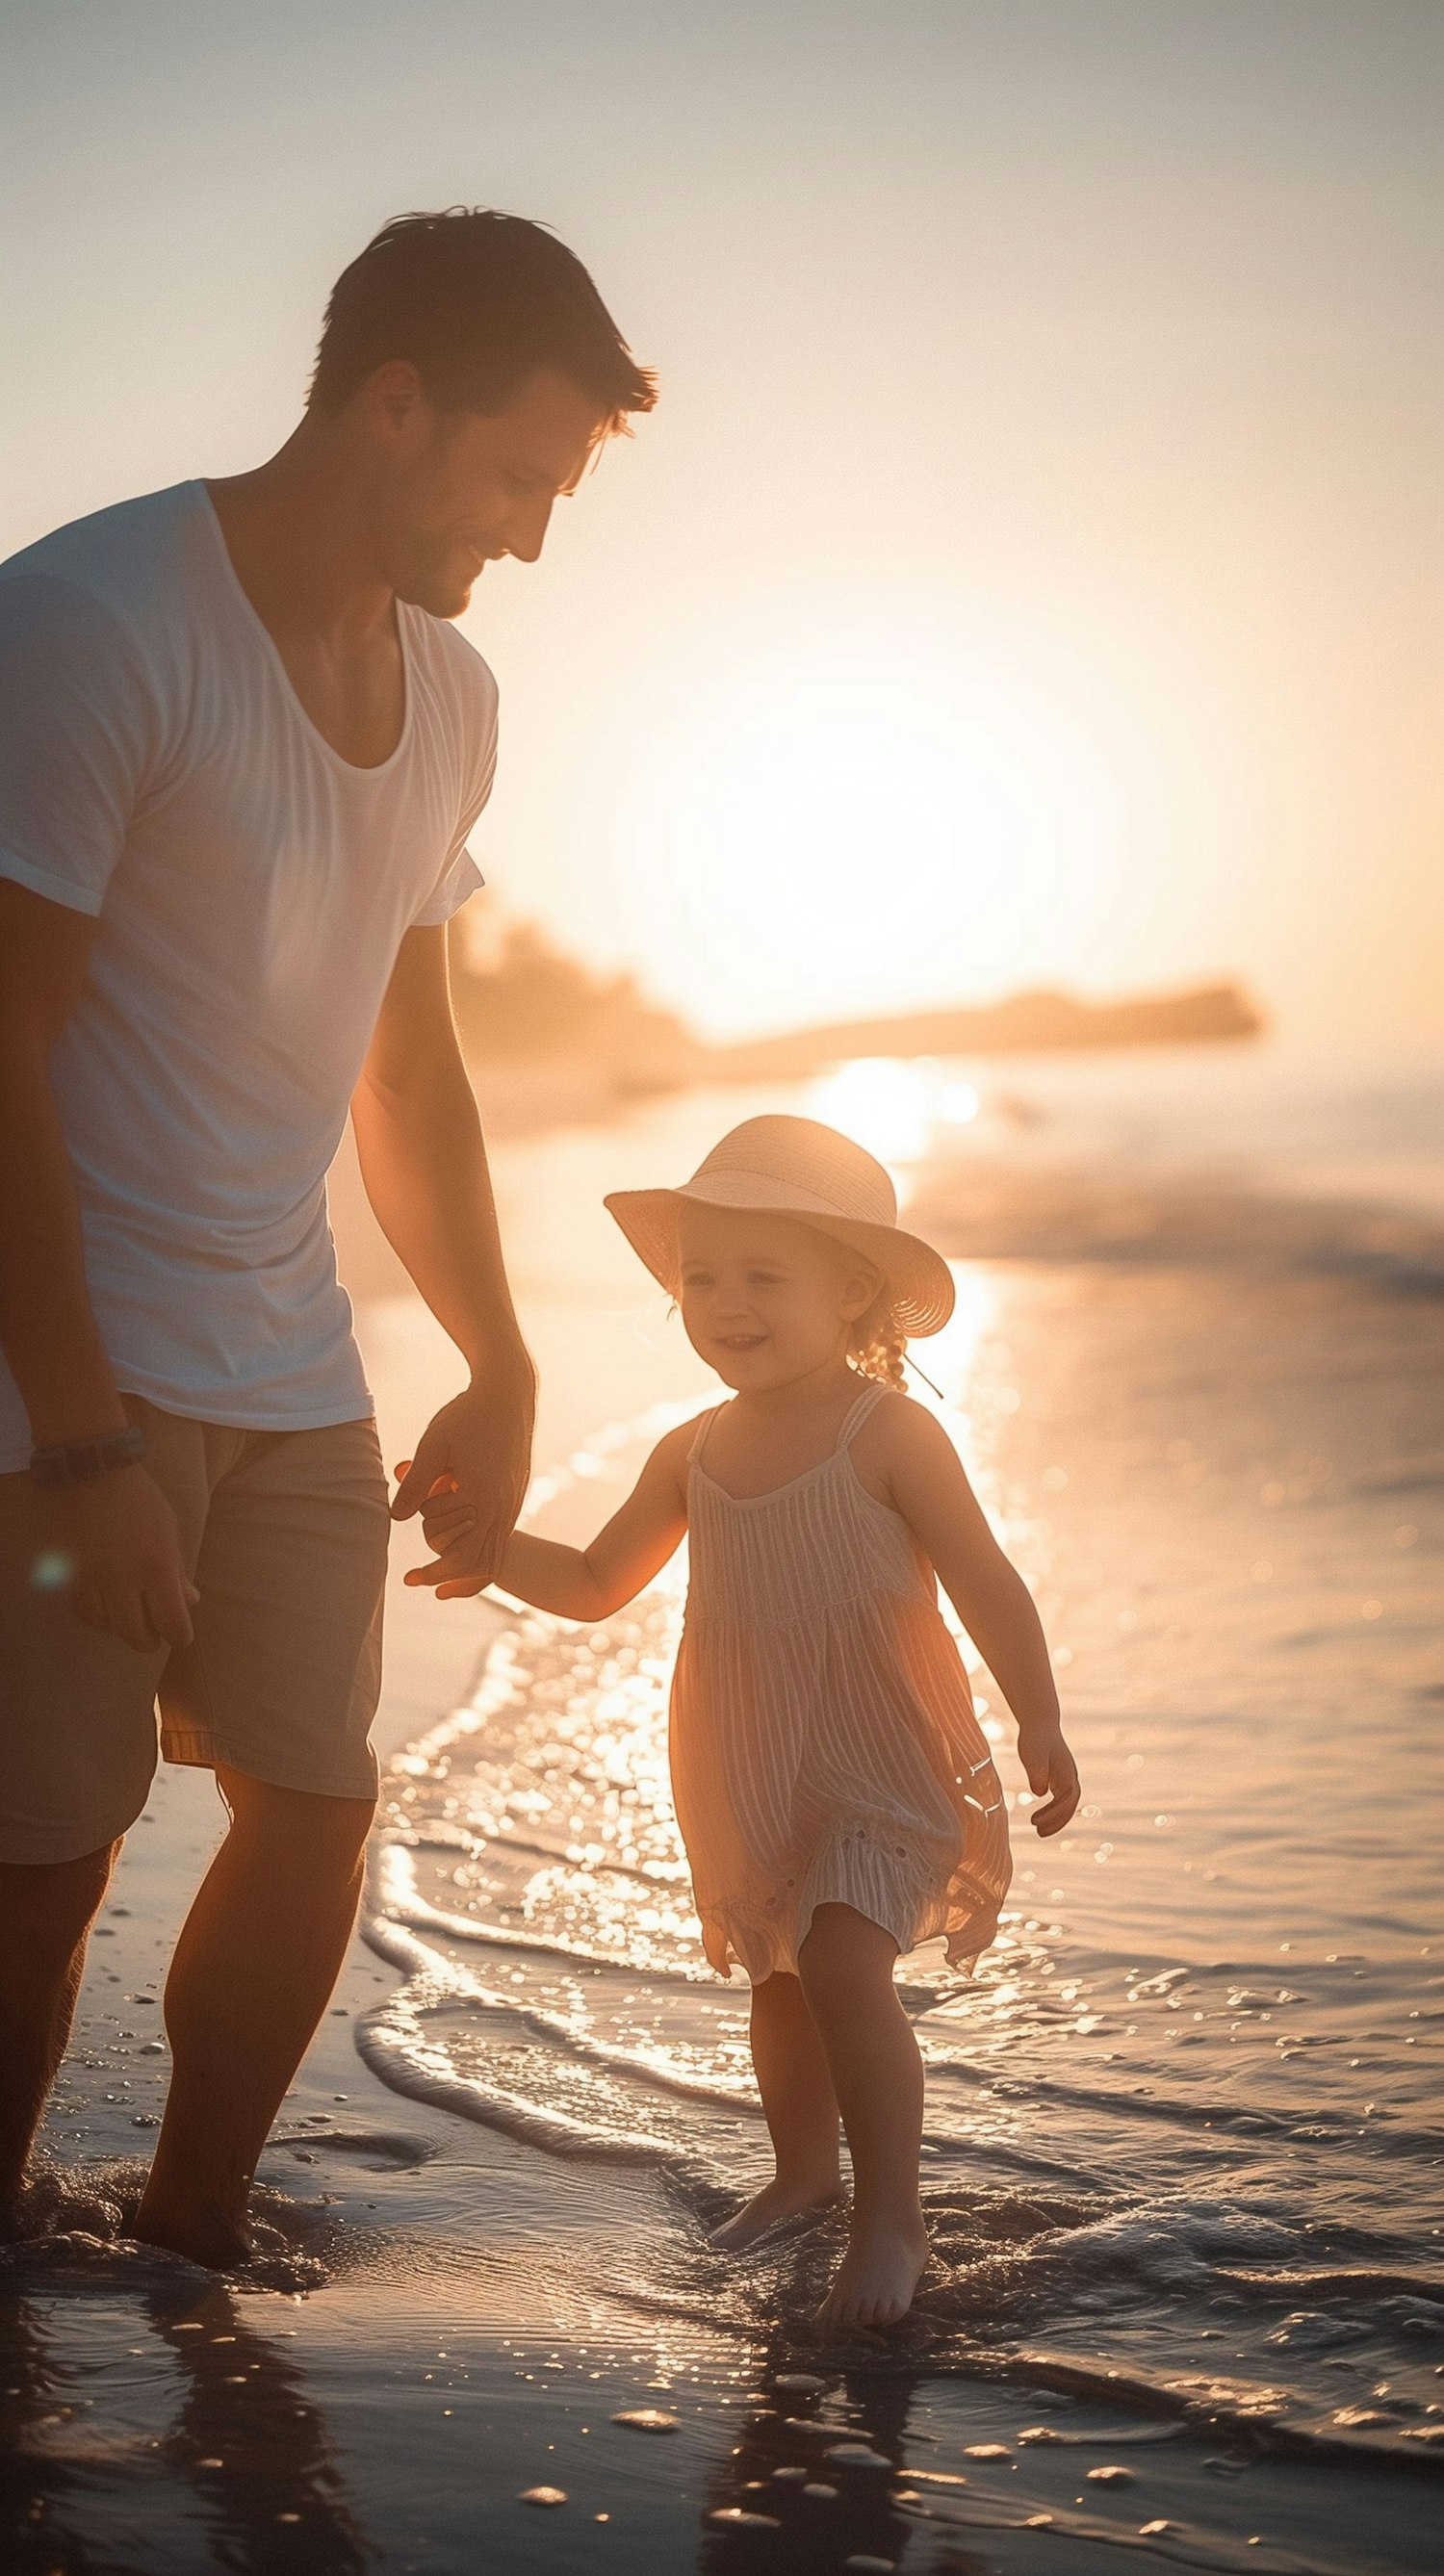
(461, 489)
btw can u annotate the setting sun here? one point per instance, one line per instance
(886, 814)
(893, 1107)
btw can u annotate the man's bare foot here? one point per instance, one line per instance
(199, 2234)
(877, 2275)
(767, 2208)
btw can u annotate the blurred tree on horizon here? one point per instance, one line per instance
(515, 995)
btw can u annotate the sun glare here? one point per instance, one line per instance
(871, 821)
(881, 1103)
(891, 1106)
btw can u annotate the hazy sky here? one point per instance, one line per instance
(1033, 572)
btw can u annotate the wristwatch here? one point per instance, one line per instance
(78, 1462)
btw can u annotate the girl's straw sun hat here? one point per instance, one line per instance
(798, 1168)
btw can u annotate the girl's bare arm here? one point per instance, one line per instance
(592, 1582)
(928, 1486)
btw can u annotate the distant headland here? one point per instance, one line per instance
(1025, 1024)
(529, 1004)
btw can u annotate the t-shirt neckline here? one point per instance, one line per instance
(348, 768)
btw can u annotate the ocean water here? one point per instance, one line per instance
(1185, 2151)
(1184, 2164)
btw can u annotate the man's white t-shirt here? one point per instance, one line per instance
(251, 890)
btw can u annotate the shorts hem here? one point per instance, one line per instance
(209, 1407)
(193, 1750)
(61, 1844)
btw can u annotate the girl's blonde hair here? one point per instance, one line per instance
(876, 1346)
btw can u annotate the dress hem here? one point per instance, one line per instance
(854, 1870)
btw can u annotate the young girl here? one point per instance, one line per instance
(833, 1785)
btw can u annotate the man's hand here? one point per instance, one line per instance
(1052, 1775)
(120, 1535)
(468, 1479)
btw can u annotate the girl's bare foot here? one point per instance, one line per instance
(877, 2275)
(767, 2208)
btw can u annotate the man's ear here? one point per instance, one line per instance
(397, 407)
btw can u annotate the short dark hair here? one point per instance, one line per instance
(477, 301)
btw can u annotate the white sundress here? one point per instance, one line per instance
(824, 1745)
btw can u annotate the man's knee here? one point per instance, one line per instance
(329, 1833)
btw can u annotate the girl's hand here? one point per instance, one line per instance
(1052, 1776)
(445, 1514)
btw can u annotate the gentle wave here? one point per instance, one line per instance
(382, 1932)
(400, 1901)
(394, 2042)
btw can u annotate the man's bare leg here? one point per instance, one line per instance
(254, 1968)
(801, 2112)
(847, 1965)
(46, 1911)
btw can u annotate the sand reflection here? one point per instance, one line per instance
(211, 2423)
(817, 2509)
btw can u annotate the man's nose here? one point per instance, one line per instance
(526, 530)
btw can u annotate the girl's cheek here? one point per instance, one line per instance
(695, 1325)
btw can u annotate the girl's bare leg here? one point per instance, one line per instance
(846, 1965)
(801, 2113)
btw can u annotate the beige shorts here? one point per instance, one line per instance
(284, 1534)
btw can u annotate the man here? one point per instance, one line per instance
(240, 755)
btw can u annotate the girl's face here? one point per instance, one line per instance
(765, 1300)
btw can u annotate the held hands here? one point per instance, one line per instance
(468, 1480)
(1052, 1776)
(120, 1536)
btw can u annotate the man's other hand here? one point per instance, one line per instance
(126, 1571)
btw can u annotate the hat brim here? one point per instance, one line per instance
(918, 1279)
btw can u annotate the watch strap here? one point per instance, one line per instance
(79, 1462)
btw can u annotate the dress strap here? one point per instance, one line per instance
(699, 1436)
(857, 1414)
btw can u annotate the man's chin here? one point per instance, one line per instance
(439, 597)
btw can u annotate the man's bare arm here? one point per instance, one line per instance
(46, 1325)
(120, 1529)
(423, 1161)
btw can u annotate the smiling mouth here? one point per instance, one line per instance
(740, 1341)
